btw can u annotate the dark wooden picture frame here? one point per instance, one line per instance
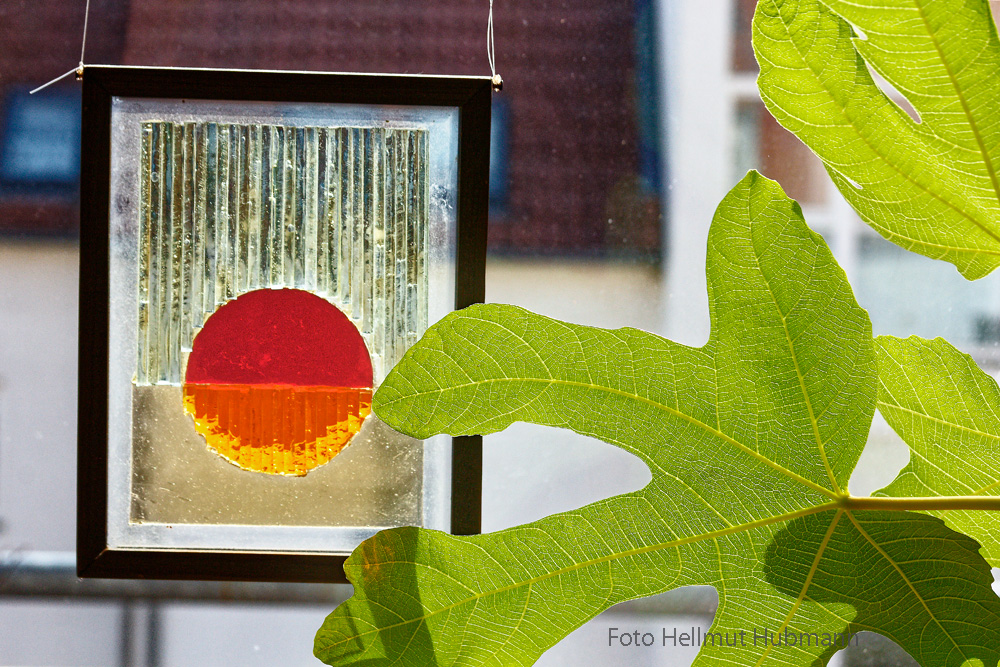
(471, 96)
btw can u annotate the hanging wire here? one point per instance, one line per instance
(490, 52)
(55, 80)
(78, 70)
(83, 45)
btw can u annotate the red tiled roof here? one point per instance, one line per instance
(567, 69)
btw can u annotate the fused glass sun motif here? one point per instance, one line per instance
(278, 381)
(282, 273)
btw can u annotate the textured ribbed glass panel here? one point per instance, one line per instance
(235, 181)
(266, 206)
(209, 167)
(388, 263)
(223, 249)
(420, 241)
(142, 359)
(149, 280)
(311, 198)
(277, 158)
(228, 208)
(400, 226)
(253, 215)
(243, 217)
(375, 300)
(346, 180)
(357, 223)
(322, 207)
(187, 263)
(290, 206)
(367, 193)
(176, 280)
(413, 234)
(199, 146)
(166, 249)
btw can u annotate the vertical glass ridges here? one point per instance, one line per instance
(229, 208)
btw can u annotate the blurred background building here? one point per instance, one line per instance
(621, 125)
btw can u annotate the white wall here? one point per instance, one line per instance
(38, 311)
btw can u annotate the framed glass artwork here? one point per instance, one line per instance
(258, 249)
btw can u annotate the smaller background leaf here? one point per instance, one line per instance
(931, 187)
(948, 411)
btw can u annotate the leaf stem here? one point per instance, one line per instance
(929, 504)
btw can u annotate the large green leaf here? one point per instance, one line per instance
(933, 186)
(948, 412)
(750, 440)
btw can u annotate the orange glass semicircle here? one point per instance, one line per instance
(278, 381)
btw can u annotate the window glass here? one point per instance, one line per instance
(620, 127)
